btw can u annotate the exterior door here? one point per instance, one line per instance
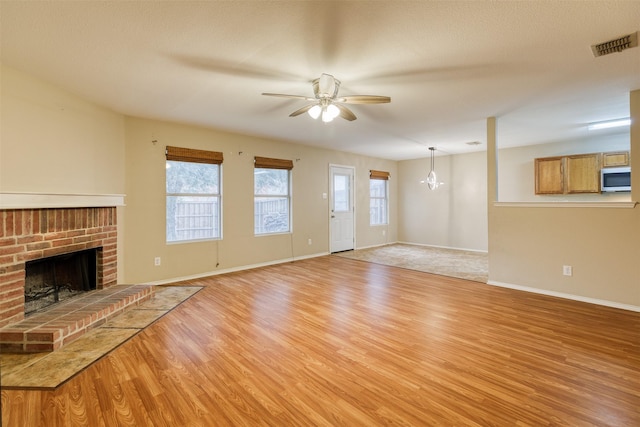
(341, 221)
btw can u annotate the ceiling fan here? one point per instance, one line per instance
(326, 102)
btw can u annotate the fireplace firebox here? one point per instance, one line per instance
(58, 278)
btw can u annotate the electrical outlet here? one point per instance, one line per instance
(309, 242)
(156, 261)
(384, 232)
(567, 270)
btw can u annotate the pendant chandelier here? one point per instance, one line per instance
(432, 178)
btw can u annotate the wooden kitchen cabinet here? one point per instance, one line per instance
(620, 158)
(549, 175)
(582, 173)
(568, 174)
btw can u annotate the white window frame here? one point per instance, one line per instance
(274, 196)
(385, 201)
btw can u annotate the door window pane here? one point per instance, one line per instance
(341, 192)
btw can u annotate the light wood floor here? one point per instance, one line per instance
(331, 341)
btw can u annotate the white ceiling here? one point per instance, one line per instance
(446, 65)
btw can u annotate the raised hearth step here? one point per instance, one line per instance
(51, 329)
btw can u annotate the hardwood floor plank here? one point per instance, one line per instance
(331, 341)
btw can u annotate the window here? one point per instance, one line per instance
(193, 194)
(378, 197)
(272, 195)
(341, 192)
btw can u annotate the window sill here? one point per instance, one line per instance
(276, 233)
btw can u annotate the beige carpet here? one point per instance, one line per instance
(49, 370)
(467, 265)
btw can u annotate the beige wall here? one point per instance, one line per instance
(145, 210)
(455, 214)
(53, 141)
(529, 245)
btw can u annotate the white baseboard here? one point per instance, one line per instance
(606, 303)
(444, 247)
(233, 269)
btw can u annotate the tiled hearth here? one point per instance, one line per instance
(64, 322)
(31, 234)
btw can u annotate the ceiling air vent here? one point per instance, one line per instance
(616, 45)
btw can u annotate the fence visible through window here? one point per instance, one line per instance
(195, 220)
(271, 215)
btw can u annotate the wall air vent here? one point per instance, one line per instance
(616, 45)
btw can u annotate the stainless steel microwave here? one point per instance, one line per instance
(615, 179)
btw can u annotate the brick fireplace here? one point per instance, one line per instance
(30, 234)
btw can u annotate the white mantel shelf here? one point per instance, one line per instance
(52, 200)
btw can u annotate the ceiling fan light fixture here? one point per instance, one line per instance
(315, 111)
(333, 111)
(326, 103)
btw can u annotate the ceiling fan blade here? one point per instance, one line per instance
(345, 113)
(364, 99)
(301, 110)
(282, 95)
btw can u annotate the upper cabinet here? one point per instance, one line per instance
(549, 175)
(574, 174)
(583, 173)
(620, 158)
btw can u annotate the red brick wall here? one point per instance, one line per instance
(28, 234)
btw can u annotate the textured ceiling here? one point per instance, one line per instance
(446, 65)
